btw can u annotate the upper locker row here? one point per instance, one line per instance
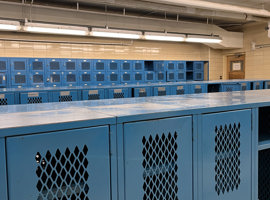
(35, 72)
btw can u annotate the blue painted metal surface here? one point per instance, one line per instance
(149, 77)
(161, 90)
(54, 72)
(159, 66)
(171, 76)
(138, 65)
(171, 65)
(85, 75)
(100, 65)
(100, 78)
(114, 78)
(229, 87)
(114, 66)
(3, 171)
(34, 97)
(179, 89)
(63, 96)
(181, 66)
(225, 151)
(157, 154)
(126, 77)
(267, 85)
(141, 91)
(19, 72)
(118, 93)
(126, 65)
(81, 154)
(93, 94)
(4, 73)
(257, 85)
(196, 88)
(37, 72)
(138, 77)
(70, 78)
(160, 76)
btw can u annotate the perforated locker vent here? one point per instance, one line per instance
(71, 78)
(149, 76)
(37, 78)
(180, 76)
(162, 93)
(100, 77)
(118, 95)
(126, 77)
(85, 66)
(113, 77)
(138, 66)
(160, 76)
(86, 78)
(264, 174)
(63, 175)
(198, 90)
(138, 77)
(171, 76)
(20, 79)
(160, 167)
(142, 94)
(3, 102)
(37, 65)
(227, 158)
(113, 66)
(93, 96)
(181, 66)
(180, 92)
(34, 100)
(3, 65)
(65, 98)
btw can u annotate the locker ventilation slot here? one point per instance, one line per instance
(198, 91)
(142, 94)
(63, 175)
(227, 158)
(160, 167)
(161, 93)
(65, 98)
(138, 77)
(86, 78)
(33, 100)
(93, 96)
(3, 65)
(3, 102)
(180, 92)
(264, 174)
(160, 76)
(113, 77)
(100, 77)
(118, 95)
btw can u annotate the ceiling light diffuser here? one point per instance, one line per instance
(203, 39)
(116, 33)
(6, 25)
(164, 36)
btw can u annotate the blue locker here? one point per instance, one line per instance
(142, 92)
(257, 85)
(171, 65)
(197, 88)
(149, 77)
(138, 66)
(114, 66)
(100, 78)
(37, 72)
(181, 66)
(34, 97)
(159, 66)
(171, 76)
(179, 89)
(70, 65)
(160, 76)
(126, 77)
(245, 86)
(113, 78)
(126, 65)
(86, 78)
(6, 98)
(225, 167)
(70, 164)
(70, 79)
(229, 87)
(267, 85)
(85, 72)
(54, 72)
(100, 65)
(4, 73)
(19, 72)
(198, 66)
(198, 76)
(158, 159)
(161, 91)
(64, 96)
(93, 94)
(138, 77)
(180, 76)
(118, 93)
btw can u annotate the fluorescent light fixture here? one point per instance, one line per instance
(164, 36)
(6, 25)
(116, 33)
(203, 39)
(55, 29)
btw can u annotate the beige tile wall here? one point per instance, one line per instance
(118, 49)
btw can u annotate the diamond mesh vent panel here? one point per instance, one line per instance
(20, 79)
(85, 66)
(150, 77)
(227, 158)
(138, 66)
(198, 90)
(113, 77)
(3, 102)
(113, 66)
(170, 66)
(65, 98)
(142, 94)
(160, 167)
(70, 66)
(19, 65)
(118, 95)
(37, 78)
(181, 76)
(55, 78)
(138, 77)
(100, 66)
(71, 78)
(161, 93)
(34, 100)
(171, 76)
(54, 66)
(264, 174)
(3, 65)
(181, 66)
(126, 66)
(180, 92)
(100, 77)
(63, 175)
(86, 78)
(93, 96)
(37, 65)
(126, 77)
(160, 76)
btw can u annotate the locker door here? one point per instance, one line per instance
(158, 159)
(61, 165)
(226, 155)
(3, 80)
